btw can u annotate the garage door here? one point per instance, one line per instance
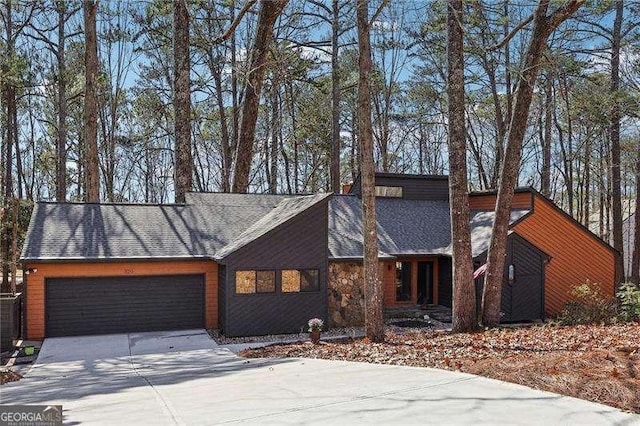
(83, 306)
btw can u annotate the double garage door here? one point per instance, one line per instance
(105, 305)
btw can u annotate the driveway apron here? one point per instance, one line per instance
(184, 377)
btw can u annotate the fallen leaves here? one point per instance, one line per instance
(597, 363)
(7, 376)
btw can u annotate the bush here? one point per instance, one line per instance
(629, 296)
(588, 306)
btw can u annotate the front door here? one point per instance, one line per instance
(425, 283)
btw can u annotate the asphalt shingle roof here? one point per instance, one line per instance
(111, 231)
(216, 225)
(405, 227)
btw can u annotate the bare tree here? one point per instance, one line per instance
(269, 12)
(464, 293)
(373, 292)
(182, 100)
(543, 26)
(91, 165)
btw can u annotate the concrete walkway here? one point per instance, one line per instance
(185, 378)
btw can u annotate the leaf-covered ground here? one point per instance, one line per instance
(597, 363)
(7, 376)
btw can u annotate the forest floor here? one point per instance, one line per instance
(596, 363)
(7, 376)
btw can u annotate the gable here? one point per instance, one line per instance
(576, 253)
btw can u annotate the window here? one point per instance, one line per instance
(245, 282)
(249, 282)
(299, 280)
(266, 282)
(403, 281)
(389, 191)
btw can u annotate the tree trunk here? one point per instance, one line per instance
(335, 100)
(545, 187)
(543, 25)
(275, 126)
(182, 100)
(269, 12)
(61, 142)
(9, 101)
(635, 261)
(373, 292)
(464, 293)
(615, 142)
(91, 166)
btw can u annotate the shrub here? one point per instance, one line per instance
(588, 306)
(629, 296)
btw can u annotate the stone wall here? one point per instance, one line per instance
(345, 294)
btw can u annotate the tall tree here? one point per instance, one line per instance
(269, 12)
(635, 261)
(464, 292)
(545, 178)
(91, 165)
(61, 140)
(335, 98)
(373, 292)
(182, 100)
(543, 26)
(614, 137)
(9, 112)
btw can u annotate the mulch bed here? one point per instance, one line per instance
(8, 376)
(596, 363)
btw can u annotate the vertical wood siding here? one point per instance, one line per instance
(300, 243)
(576, 254)
(414, 187)
(445, 284)
(35, 327)
(521, 200)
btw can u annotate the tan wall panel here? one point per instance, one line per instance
(576, 255)
(35, 283)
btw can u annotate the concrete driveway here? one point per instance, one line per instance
(185, 378)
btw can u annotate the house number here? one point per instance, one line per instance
(128, 271)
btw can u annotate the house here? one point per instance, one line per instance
(259, 264)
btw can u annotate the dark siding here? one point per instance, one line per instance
(300, 243)
(445, 284)
(527, 291)
(414, 187)
(222, 296)
(105, 305)
(524, 299)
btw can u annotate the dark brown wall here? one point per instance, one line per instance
(445, 289)
(414, 187)
(300, 243)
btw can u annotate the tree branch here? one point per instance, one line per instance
(512, 34)
(235, 22)
(378, 12)
(562, 14)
